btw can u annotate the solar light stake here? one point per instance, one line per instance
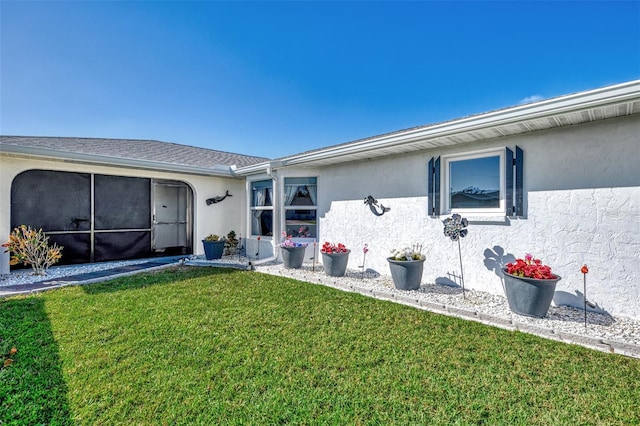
(365, 249)
(313, 268)
(461, 270)
(585, 271)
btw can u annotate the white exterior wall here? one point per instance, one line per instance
(217, 218)
(582, 206)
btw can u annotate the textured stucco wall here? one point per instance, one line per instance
(582, 205)
(217, 218)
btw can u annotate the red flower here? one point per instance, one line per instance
(530, 268)
(327, 247)
(584, 269)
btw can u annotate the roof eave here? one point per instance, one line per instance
(219, 170)
(573, 103)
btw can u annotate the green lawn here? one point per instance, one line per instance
(218, 346)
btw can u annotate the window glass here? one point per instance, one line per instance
(300, 202)
(262, 223)
(474, 183)
(300, 191)
(262, 193)
(262, 208)
(301, 223)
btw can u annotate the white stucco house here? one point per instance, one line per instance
(557, 178)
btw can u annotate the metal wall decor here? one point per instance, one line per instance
(455, 228)
(218, 198)
(374, 205)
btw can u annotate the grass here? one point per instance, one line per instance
(218, 346)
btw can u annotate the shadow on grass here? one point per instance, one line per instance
(32, 390)
(165, 276)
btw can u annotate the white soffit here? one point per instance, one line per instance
(609, 102)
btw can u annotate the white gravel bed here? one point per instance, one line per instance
(560, 319)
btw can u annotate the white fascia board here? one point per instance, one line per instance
(577, 102)
(260, 168)
(217, 170)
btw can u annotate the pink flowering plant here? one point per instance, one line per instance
(288, 242)
(529, 267)
(327, 247)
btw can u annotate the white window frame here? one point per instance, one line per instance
(445, 187)
(298, 207)
(263, 208)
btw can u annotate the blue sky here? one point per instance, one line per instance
(278, 78)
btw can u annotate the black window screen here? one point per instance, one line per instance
(53, 201)
(77, 247)
(122, 202)
(121, 245)
(60, 203)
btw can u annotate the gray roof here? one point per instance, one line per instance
(131, 149)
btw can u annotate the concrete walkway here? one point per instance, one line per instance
(87, 278)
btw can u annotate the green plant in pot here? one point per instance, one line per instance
(406, 267)
(334, 259)
(213, 246)
(232, 244)
(529, 286)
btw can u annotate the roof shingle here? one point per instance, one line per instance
(134, 149)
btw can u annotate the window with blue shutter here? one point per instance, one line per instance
(487, 182)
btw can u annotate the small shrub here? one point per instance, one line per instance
(31, 247)
(232, 243)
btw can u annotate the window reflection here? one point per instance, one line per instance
(475, 183)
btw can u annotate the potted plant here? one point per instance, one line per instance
(232, 244)
(406, 267)
(529, 286)
(292, 252)
(334, 259)
(213, 246)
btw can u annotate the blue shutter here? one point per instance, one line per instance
(514, 166)
(519, 182)
(434, 187)
(508, 174)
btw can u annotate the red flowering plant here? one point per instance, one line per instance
(530, 268)
(327, 247)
